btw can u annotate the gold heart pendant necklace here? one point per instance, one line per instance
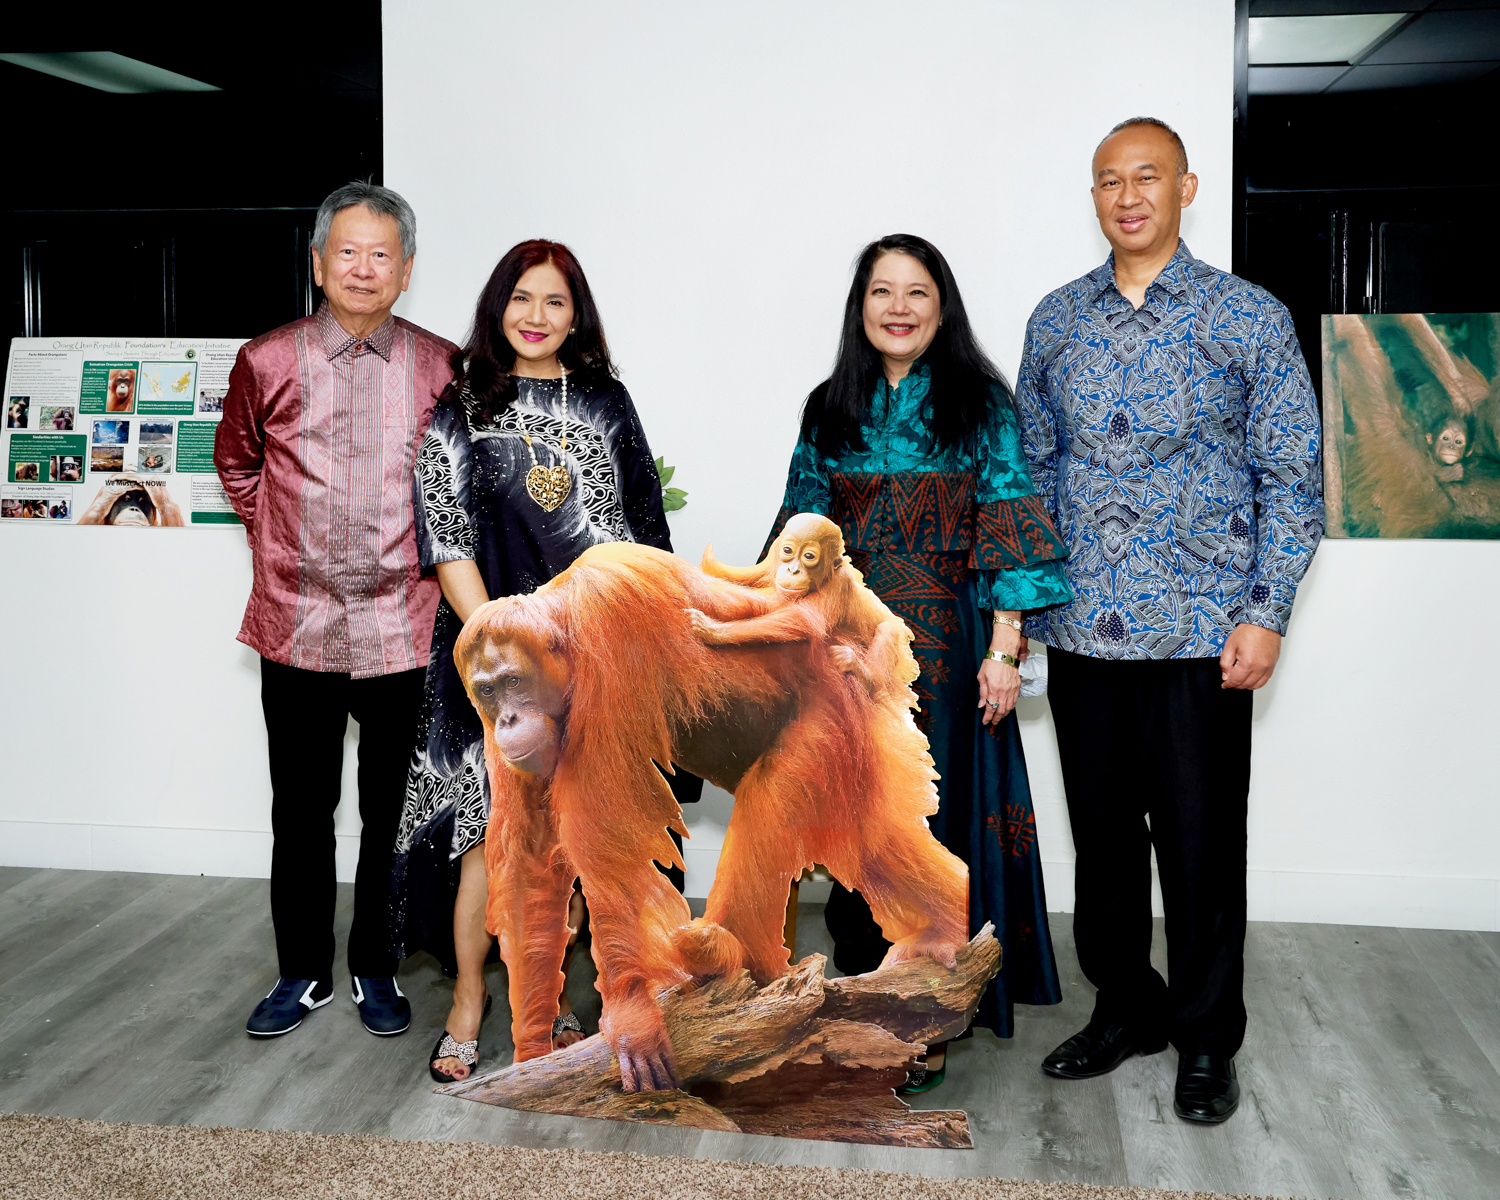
(548, 486)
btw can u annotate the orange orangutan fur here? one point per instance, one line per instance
(823, 770)
(856, 804)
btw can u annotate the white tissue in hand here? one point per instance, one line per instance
(1034, 673)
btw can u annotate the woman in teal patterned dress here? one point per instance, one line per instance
(912, 447)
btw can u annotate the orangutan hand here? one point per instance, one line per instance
(708, 630)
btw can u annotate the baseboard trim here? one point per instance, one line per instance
(163, 850)
(1338, 898)
(1328, 898)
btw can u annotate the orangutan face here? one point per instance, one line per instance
(524, 695)
(808, 552)
(134, 507)
(1451, 443)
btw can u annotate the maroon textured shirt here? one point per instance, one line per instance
(315, 451)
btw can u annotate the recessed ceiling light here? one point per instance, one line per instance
(1337, 39)
(109, 72)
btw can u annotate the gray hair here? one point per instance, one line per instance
(1182, 163)
(379, 200)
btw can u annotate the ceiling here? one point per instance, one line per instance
(274, 113)
(308, 47)
(1303, 47)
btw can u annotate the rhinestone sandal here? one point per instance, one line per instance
(566, 1021)
(448, 1046)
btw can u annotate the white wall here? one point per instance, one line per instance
(716, 168)
(135, 739)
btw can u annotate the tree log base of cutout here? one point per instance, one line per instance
(803, 1057)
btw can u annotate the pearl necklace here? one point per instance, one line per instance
(548, 486)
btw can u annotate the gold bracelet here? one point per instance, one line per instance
(1010, 660)
(1011, 621)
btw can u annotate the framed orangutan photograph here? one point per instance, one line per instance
(1411, 425)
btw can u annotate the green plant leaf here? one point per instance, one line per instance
(671, 498)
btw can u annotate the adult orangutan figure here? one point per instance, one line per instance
(814, 738)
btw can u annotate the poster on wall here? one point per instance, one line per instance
(115, 431)
(1411, 424)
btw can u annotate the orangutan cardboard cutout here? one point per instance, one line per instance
(789, 685)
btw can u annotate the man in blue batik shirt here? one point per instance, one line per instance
(1172, 430)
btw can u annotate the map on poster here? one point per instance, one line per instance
(114, 431)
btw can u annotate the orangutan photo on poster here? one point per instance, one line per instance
(1411, 418)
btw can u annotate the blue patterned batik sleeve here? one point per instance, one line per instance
(1283, 441)
(1038, 415)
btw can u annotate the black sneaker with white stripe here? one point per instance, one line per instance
(382, 1007)
(286, 1004)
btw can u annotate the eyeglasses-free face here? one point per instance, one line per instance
(902, 311)
(361, 270)
(537, 321)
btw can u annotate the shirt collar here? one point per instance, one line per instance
(1173, 278)
(913, 385)
(337, 340)
(915, 379)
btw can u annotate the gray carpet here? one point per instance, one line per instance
(52, 1158)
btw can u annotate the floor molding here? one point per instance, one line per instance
(1335, 898)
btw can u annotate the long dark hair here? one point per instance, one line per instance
(964, 380)
(484, 363)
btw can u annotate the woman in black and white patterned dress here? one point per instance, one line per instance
(534, 454)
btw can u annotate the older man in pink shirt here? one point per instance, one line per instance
(321, 422)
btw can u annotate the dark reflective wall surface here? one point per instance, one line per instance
(182, 213)
(1373, 201)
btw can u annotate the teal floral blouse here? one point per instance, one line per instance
(898, 442)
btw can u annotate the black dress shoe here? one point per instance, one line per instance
(1097, 1049)
(1207, 1090)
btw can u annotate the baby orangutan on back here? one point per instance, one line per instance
(847, 783)
(819, 599)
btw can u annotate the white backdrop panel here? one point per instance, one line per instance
(716, 168)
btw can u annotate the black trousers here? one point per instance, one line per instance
(1158, 739)
(306, 715)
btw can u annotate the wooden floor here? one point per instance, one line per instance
(1369, 1071)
